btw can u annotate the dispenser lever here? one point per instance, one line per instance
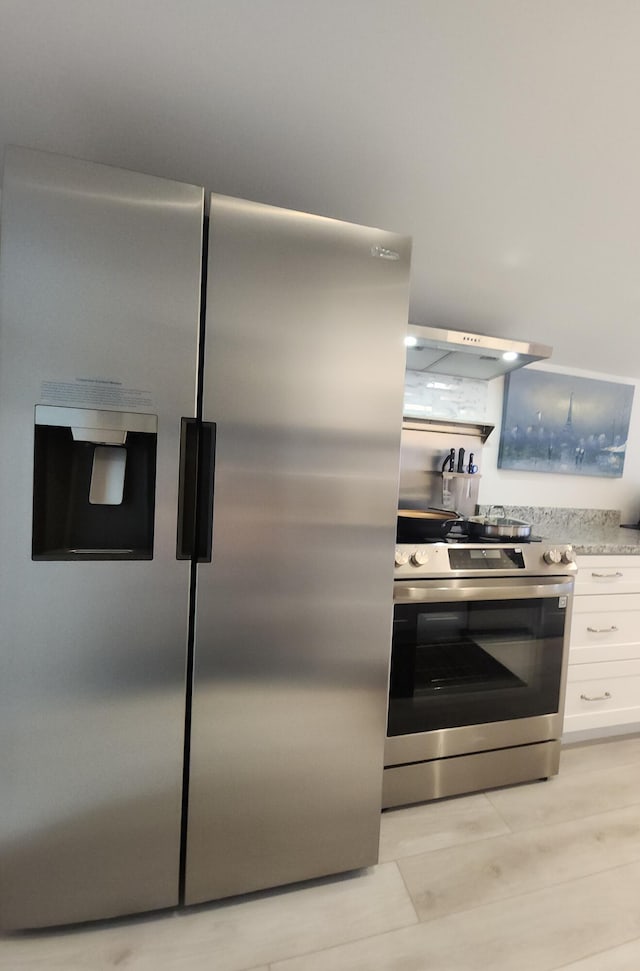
(107, 475)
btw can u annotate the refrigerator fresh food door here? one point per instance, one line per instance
(304, 368)
(100, 291)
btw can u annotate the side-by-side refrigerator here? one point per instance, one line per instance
(200, 412)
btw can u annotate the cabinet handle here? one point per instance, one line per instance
(616, 574)
(602, 630)
(603, 697)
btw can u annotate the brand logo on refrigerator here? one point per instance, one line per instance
(384, 254)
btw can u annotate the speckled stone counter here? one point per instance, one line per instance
(590, 531)
(604, 541)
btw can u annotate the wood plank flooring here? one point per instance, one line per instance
(537, 877)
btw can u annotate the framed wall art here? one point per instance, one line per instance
(564, 424)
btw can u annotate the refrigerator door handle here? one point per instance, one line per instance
(206, 478)
(195, 496)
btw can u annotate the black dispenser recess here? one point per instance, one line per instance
(93, 484)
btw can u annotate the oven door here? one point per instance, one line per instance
(476, 664)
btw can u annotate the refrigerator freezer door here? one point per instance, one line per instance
(100, 286)
(304, 368)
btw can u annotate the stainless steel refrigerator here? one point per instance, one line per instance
(200, 412)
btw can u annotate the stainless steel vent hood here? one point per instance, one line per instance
(467, 355)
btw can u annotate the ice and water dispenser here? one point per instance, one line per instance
(94, 484)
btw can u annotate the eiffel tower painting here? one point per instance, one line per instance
(569, 421)
(564, 424)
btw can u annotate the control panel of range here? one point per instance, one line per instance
(443, 559)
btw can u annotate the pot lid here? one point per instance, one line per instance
(489, 521)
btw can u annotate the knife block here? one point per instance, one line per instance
(460, 492)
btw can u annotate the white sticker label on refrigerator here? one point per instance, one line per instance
(562, 601)
(103, 392)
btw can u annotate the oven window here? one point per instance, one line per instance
(465, 664)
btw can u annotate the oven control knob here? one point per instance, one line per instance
(401, 557)
(419, 558)
(568, 556)
(552, 556)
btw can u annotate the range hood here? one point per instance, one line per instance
(467, 355)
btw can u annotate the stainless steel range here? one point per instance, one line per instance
(478, 666)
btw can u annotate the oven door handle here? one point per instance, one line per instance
(504, 588)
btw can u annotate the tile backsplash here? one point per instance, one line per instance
(429, 395)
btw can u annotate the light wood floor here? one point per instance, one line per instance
(531, 878)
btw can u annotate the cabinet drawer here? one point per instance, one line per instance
(606, 699)
(608, 579)
(608, 574)
(604, 634)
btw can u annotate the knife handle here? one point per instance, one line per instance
(450, 461)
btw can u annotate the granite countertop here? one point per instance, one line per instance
(606, 540)
(591, 532)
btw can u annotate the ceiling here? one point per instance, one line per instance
(502, 135)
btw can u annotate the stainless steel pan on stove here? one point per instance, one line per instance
(419, 524)
(488, 527)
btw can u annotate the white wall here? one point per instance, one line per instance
(546, 489)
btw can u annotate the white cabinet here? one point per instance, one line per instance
(603, 681)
